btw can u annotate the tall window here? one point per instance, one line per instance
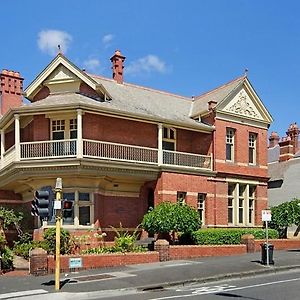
(251, 201)
(241, 204)
(181, 197)
(252, 148)
(231, 188)
(64, 129)
(169, 139)
(201, 207)
(230, 144)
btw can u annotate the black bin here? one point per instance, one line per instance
(264, 253)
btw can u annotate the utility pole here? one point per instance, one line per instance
(57, 207)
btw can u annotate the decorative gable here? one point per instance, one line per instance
(242, 105)
(62, 80)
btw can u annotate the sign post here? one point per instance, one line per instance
(267, 217)
(57, 207)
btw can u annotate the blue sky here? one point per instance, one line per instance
(185, 47)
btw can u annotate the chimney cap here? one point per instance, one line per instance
(118, 54)
(10, 73)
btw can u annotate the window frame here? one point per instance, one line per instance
(201, 202)
(181, 197)
(169, 136)
(252, 148)
(69, 126)
(230, 142)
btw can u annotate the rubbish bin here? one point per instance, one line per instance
(264, 253)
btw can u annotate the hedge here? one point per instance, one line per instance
(229, 236)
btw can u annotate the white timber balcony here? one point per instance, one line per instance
(63, 149)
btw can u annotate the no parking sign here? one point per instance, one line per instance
(266, 215)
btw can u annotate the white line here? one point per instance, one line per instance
(227, 290)
(22, 293)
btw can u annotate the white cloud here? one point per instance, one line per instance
(107, 39)
(48, 41)
(148, 64)
(92, 64)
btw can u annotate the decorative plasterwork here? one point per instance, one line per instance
(242, 105)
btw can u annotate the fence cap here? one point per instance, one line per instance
(37, 251)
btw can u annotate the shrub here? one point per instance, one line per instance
(228, 236)
(50, 241)
(171, 217)
(7, 257)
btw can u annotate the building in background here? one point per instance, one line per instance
(122, 148)
(284, 166)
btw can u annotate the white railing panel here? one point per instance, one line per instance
(121, 152)
(9, 156)
(186, 159)
(48, 149)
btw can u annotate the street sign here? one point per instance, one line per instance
(75, 262)
(266, 215)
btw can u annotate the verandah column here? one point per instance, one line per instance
(160, 140)
(2, 146)
(79, 134)
(17, 137)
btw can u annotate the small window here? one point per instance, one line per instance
(201, 207)
(252, 191)
(181, 197)
(169, 139)
(231, 188)
(242, 189)
(230, 144)
(252, 148)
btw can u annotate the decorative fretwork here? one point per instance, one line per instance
(243, 107)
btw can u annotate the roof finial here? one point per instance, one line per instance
(59, 49)
(246, 72)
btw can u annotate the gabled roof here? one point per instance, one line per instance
(60, 59)
(218, 94)
(236, 99)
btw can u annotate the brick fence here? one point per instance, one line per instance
(163, 252)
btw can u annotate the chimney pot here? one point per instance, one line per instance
(273, 139)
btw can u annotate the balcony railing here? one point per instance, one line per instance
(58, 149)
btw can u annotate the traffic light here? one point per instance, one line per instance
(67, 209)
(40, 204)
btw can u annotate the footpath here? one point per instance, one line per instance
(155, 275)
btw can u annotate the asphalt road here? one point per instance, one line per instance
(281, 286)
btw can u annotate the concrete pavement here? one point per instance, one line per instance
(155, 275)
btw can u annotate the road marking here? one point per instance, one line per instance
(211, 290)
(22, 293)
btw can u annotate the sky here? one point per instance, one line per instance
(186, 47)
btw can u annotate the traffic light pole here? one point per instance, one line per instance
(58, 192)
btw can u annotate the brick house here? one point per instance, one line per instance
(122, 148)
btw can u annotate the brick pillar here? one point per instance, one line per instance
(162, 247)
(38, 262)
(248, 240)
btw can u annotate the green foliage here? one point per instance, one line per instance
(7, 257)
(50, 241)
(285, 215)
(23, 246)
(105, 250)
(171, 217)
(10, 217)
(228, 236)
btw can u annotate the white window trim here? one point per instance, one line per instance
(231, 132)
(253, 146)
(67, 130)
(168, 138)
(201, 208)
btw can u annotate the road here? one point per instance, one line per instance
(275, 286)
(281, 286)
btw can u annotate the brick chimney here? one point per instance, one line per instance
(286, 149)
(11, 90)
(293, 133)
(117, 66)
(273, 139)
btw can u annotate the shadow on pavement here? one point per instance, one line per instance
(229, 295)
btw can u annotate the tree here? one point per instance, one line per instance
(285, 215)
(170, 217)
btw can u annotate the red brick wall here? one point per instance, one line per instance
(105, 260)
(87, 90)
(241, 149)
(185, 252)
(117, 130)
(193, 142)
(279, 244)
(261, 202)
(9, 139)
(111, 210)
(37, 130)
(42, 94)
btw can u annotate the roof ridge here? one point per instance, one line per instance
(143, 87)
(220, 87)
